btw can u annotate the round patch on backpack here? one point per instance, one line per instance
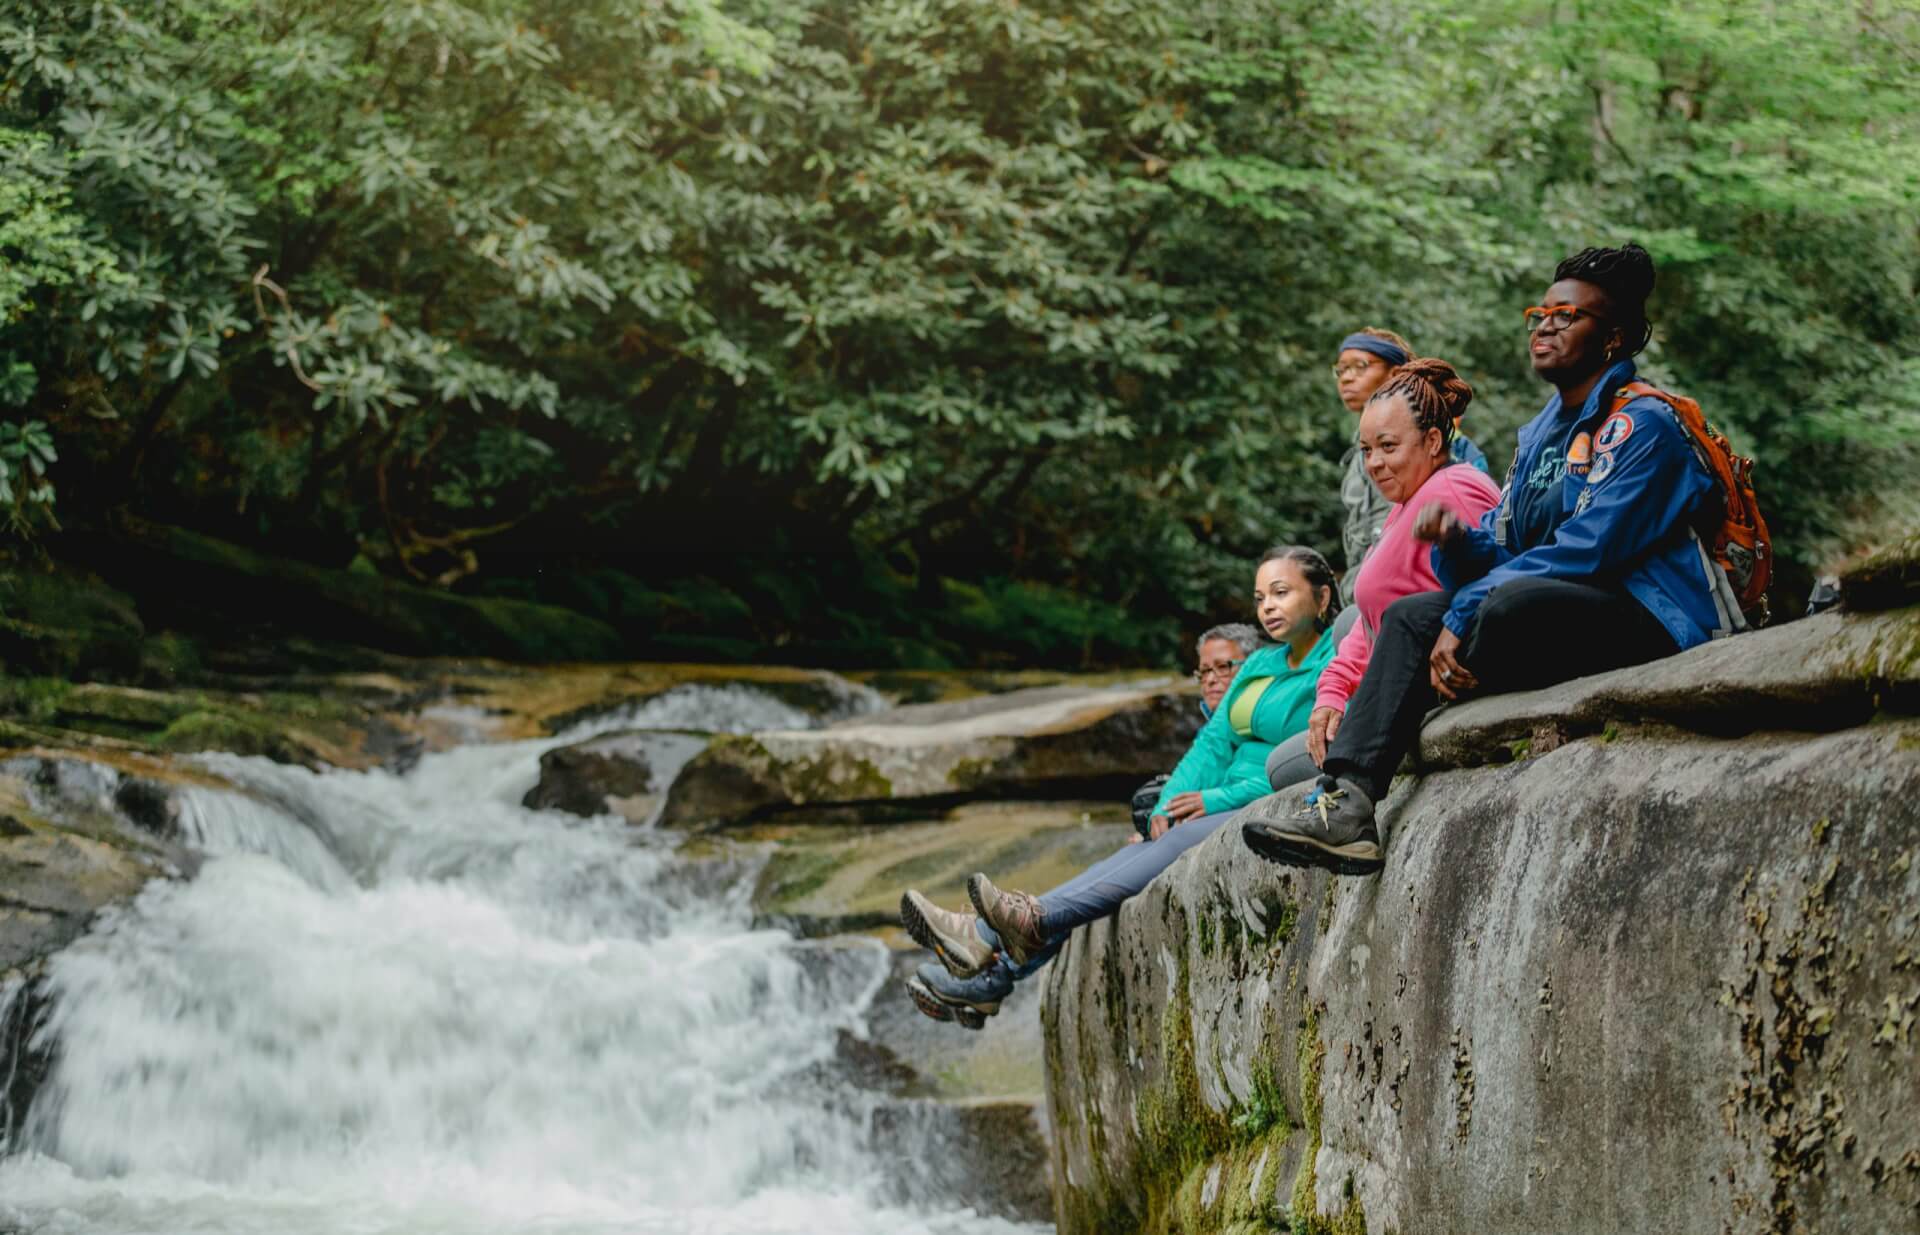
(1619, 428)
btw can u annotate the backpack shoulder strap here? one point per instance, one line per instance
(1638, 389)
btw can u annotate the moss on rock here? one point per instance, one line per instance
(186, 573)
(62, 622)
(311, 729)
(1883, 578)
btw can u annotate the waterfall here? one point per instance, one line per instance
(404, 1003)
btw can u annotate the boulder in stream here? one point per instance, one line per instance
(1043, 743)
(610, 774)
(79, 832)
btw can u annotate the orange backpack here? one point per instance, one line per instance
(1736, 532)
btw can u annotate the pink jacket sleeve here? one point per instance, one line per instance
(1341, 677)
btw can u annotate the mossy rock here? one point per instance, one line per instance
(912, 686)
(823, 878)
(1884, 578)
(125, 707)
(191, 577)
(79, 830)
(61, 622)
(601, 775)
(1055, 742)
(229, 732)
(314, 730)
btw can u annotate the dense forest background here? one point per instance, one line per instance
(908, 332)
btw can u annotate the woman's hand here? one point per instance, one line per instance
(1437, 525)
(1157, 828)
(1321, 728)
(1184, 806)
(1448, 675)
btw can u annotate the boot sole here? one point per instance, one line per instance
(921, 931)
(1292, 849)
(965, 1015)
(1017, 954)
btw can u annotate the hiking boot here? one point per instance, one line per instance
(969, 1002)
(930, 1005)
(1014, 916)
(948, 935)
(1331, 827)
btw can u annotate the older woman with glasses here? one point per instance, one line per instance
(1011, 934)
(1220, 652)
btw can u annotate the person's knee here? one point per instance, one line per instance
(1289, 765)
(1504, 608)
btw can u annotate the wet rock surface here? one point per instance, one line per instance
(977, 1092)
(993, 1154)
(605, 775)
(824, 878)
(77, 835)
(1039, 743)
(1823, 673)
(1884, 577)
(1642, 977)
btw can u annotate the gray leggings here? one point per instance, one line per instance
(1289, 764)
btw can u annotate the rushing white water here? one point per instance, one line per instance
(406, 1004)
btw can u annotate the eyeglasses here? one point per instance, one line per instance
(1353, 368)
(1560, 316)
(1221, 668)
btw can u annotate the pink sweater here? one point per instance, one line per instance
(1400, 566)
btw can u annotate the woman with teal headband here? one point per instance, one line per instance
(1365, 359)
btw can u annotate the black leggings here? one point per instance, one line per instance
(1528, 633)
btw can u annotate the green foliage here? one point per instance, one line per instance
(1032, 296)
(26, 451)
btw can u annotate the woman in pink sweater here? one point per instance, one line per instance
(1406, 433)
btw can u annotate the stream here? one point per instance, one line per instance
(401, 1002)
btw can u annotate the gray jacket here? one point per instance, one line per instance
(1366, 516)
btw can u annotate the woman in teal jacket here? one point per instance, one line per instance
(1272, 695)
(1269, 702)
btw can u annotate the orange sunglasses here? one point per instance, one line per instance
(1561, 315)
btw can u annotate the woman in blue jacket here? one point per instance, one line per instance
(1589, 563)
(1271, 697)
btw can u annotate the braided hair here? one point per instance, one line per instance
(1316, 572)
(1626, 276)
(1435, 393)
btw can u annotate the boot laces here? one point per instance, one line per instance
(1322, 802)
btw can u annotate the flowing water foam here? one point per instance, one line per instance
(407, 1004)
